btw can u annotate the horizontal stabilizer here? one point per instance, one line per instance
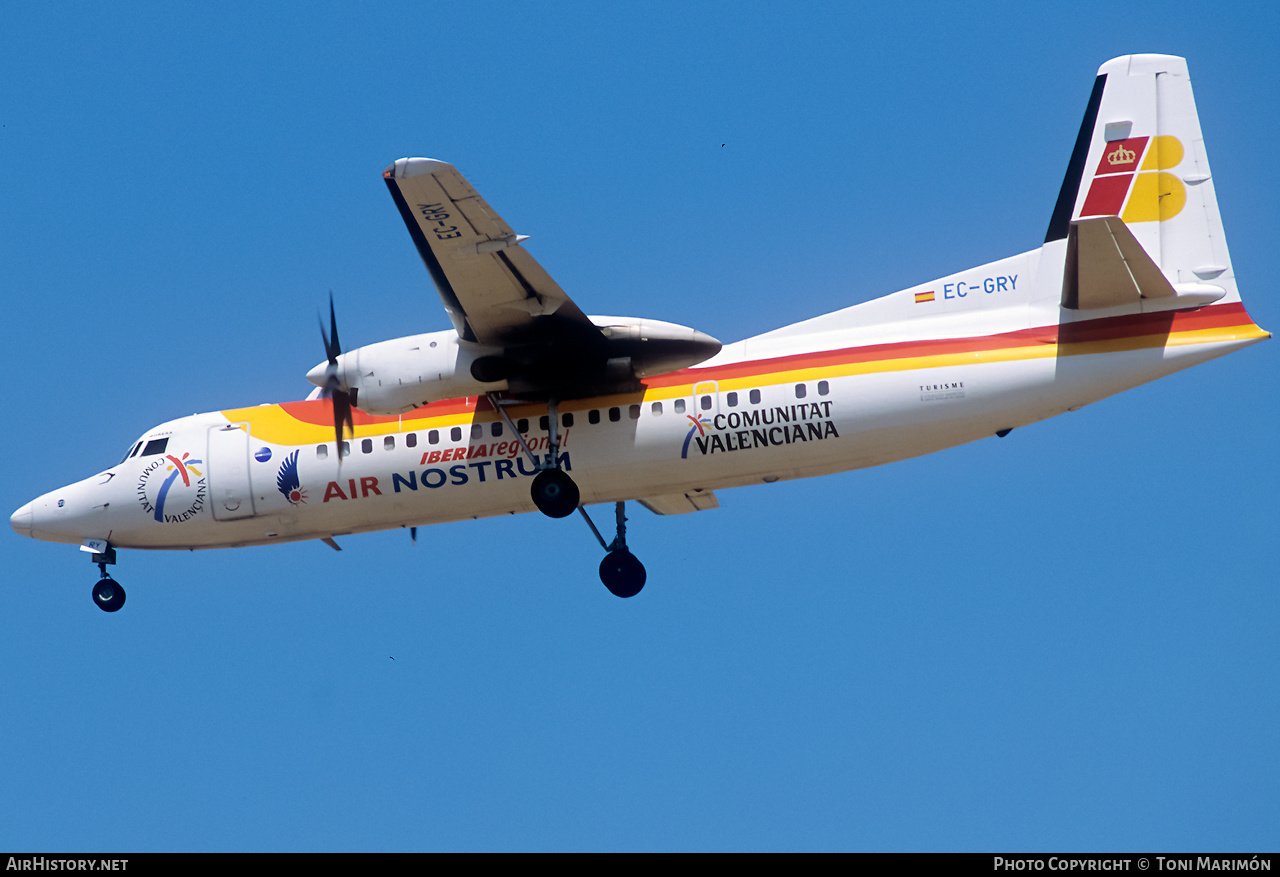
(1106, 267)
(681, 503)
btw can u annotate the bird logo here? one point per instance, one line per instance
(288, 482)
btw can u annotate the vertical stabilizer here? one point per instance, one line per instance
(1140, 156)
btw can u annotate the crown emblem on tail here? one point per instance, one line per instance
(1120, 155)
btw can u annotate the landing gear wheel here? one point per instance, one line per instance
(108, 594)
(554, 493)
(621, 573)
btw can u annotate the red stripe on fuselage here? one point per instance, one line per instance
(319, 412)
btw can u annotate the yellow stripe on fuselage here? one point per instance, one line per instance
(272, 423)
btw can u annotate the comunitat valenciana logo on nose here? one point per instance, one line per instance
(1132, 180)
(172, 490)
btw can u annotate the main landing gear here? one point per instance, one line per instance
(556, 496)
(621, 573)
(108, 595)
(553, 491)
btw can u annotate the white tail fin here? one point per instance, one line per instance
(1140, 156)
(1135, 230)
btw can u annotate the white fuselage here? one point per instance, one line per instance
(1133, 282)
(842, 392)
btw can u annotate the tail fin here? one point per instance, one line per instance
(1140, 156)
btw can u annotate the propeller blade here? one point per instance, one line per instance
(332, 347)
(343, 400)
(333, 333)
(341, 416)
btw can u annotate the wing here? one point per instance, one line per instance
(494, 291)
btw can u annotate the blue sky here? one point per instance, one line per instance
(1059, 640)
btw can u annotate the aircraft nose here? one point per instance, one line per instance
(20, 520)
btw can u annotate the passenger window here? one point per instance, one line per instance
(679, 406)
(543, 423)
(322, 452)
(522, 425)
(389, 443)
(634, 412)
(567, 420)
(593, 416)
(495, 429)
(706, 403)
(411, 440)
(732, 399)
(346, 449)
(155, 446)
(656, 408)
(755, 397)
(433, 437)
(615, 414)
(823, 388)
(366, 446)
(477, 431)
(455, 434)
(800, 391)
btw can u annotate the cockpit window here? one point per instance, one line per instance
(131, 453)
(155, 446)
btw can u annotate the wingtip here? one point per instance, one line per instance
(414, 167)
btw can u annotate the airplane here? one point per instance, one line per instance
(528, 403)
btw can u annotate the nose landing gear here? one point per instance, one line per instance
(108, 595)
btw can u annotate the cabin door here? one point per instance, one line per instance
(228, 464)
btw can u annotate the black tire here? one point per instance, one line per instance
(554, 493)
(108, 595)
(622, 574)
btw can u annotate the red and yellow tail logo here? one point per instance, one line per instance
(1149, 194)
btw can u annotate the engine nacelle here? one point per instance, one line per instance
(392, 377)
(655, 347)
(396, 376)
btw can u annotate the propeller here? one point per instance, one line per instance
(343, 400)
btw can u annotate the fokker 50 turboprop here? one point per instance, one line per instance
(528, 403)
